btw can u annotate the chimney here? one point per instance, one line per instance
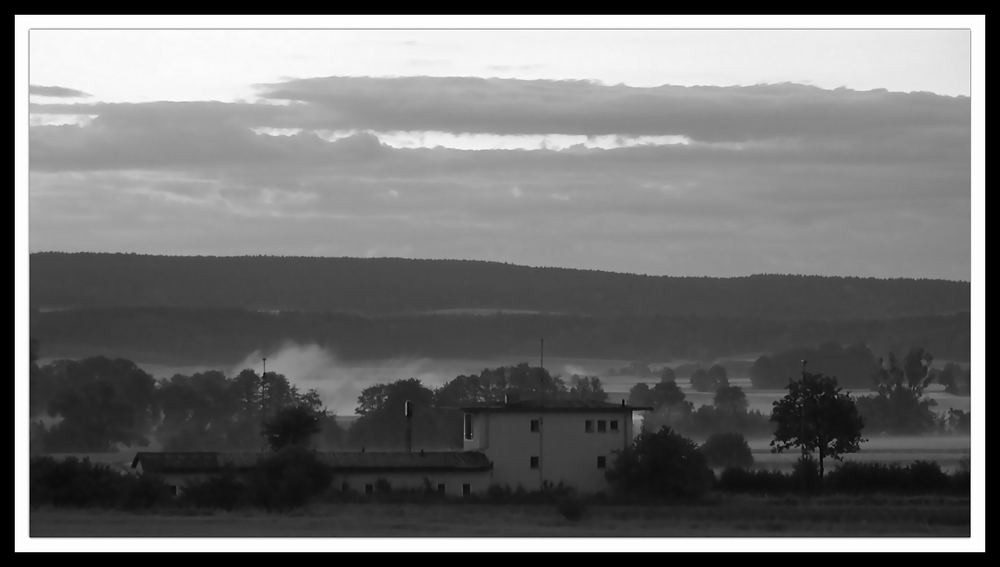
(408, 412)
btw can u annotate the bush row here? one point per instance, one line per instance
(918, 477)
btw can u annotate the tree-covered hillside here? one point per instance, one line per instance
(402, 286)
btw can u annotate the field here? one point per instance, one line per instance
(721, 516)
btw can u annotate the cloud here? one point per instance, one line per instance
(865, 183)
(511, 106)
(61, 92)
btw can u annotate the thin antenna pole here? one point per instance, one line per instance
(260, 394)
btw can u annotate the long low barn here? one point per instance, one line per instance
(447, 472)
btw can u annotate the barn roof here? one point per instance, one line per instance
(208, 462)
(403, 461)
(535, 406)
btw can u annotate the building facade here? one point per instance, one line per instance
(532, 444)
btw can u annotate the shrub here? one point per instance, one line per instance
(288, 479)
(661, 464)
(755, 481)
(225, 492)
(571, 508)
(805, 474)
(920, 476)
(76, 483)
(926, 476)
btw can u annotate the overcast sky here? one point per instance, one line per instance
(677, 152)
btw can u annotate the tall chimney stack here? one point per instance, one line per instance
(408, 413)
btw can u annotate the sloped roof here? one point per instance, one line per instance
(153, 462)
(403, 461)
(207, 462)
(562, 405)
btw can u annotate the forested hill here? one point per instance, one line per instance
(383, 286)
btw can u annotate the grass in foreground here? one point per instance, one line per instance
(721, 516)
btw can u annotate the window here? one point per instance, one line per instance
(535, 426)
(466, 489)
(588, 426)
(441, 488)
(173, 489)
(344, 487)
(614, 425)
(534, 462)
(602, 462)
(468, 426)
(602, 426)
(369, 489)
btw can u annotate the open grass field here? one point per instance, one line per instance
(719, 516)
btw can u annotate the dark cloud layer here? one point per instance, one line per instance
(53, 91)
(779, 178)
(510, 106)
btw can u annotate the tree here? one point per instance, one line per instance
(954, 379)
(718, 377)
(641, 396)
(916, 368)
(293, 425)
(727, 450)
(586, 388)
(661, 464)
(103, 403)
(667, 394)
(815, 415)
(731, 400)
(383, 423)
(899, 407)
(667, 374)
(701, 381)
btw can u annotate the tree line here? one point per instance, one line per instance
(896, 404)
(100, 404)
(395, 285)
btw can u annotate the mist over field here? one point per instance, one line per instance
(340, 382)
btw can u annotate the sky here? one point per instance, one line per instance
(686, 152)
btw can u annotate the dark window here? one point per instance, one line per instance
(466, 489)
(602, 462)
(588, 426)
(534, 426)
(173, 489)
(369, 489)
(534, 462)
(614, 425)
(468, 426)
(441, 489)
(602, 426)
(344, 487)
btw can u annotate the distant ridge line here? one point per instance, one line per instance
(486, 262)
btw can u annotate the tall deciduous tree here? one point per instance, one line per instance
(815, 415)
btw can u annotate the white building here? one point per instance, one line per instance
(532, 443)
(527, 445)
